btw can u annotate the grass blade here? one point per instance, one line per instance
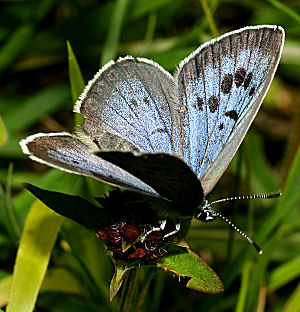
(76, 79)
(290, 200)
(36, 107)
(5, 284)
(12, 224)
(110, 48)
(280, 6)
(3, 133)
(240, 307)
(10, 50)
(293, 303)
(210, 18)
(39, 235)
(284, 273)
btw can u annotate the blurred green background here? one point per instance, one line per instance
(35, 96)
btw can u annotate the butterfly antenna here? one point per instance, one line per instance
(263, 196)
(252, 242)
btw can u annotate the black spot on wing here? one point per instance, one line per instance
(247, 80)
(159, 130)
(251, 91)
(221, 126)
(213, 103)
(239, 76)
(232, 114)
(226, 84)
(200, 103)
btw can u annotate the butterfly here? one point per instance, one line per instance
(165, 136)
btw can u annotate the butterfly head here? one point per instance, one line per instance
(205, 213)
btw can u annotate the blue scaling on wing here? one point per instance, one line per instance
(200, 115)
(131, 100)
(66, 152)
(221, 86)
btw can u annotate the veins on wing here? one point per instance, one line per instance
(137, 119)
(155, 102)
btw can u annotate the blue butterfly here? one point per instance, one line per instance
(199, 116)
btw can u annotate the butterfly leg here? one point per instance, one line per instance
(161, 226)
(177, 229)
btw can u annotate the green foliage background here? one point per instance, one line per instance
(37, 95)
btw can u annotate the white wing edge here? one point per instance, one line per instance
(83, 95)
(204, 45)
(159, 67)
(23, 144)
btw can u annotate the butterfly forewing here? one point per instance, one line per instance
(221, 85)
(66, 152)
(132, 100)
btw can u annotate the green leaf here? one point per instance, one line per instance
(67, 183)
(189, 264)
(121, 269)
(3, 133)
(76, 79)
(39, 235)
(73, 207)
(168, 175)
(179, 260)
(88, 261)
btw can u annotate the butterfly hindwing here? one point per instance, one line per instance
(221, 86)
